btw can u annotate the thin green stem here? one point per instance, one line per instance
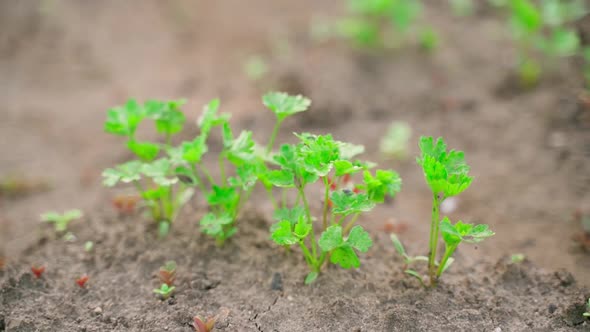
(208, 175)
(433, 243)
(326, 200)
(348, 226)
(308, 257)
(308, 215)
(272, 198)
(284, 198)
(273, 136)
(449, 250)
(222, 168)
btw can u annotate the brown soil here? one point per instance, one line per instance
(63, 64)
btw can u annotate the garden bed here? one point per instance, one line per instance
(527, 149)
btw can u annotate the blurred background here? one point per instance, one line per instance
(507, 89)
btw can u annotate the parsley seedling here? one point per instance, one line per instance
(155, 178)
(541, 32)
(61, 221)
(164, 291)
(446, 174)
(321, 158)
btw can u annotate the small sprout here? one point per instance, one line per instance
(395, 143)
(61, 221)
(587, 313)
(70, 237)
(125, 204)
(429, 39)
(165, 291)
(255, 67)
(37, 270)
(82, 280)
(88, 246)
(204, 325)
(167, 273)
(517, 258)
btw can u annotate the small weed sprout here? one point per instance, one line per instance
(204, 325)
(38, 270)
(61, 221)
(314, 159)
(394, 144)
(82, 280)
(587, 313)
(446, 174)
(88, 246)
(165, 291)
(167, 273)
(517, 258)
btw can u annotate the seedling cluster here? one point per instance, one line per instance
(381, 23)
(167, 175)
(542, 34)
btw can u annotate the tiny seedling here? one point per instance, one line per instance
(587, 313)
(37, 270)
(167, 273)
(164, 291)
(320, 158)
(517, 258)
(255, 67)
(394, 144)
(204, 325)
(88, 246)
(61, 221)
(446, 174)
(82, 280)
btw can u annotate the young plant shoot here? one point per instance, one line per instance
(154, 178)
(165, 291)
(587, 313)
(446, 174)
(321, 158)
(204, 325)
(61, 221)
(167, 273)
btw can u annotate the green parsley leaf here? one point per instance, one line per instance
(282, 233)
(347, 203)
(124, 120)
(144, 150)
(126, 173)
(359, 239)
(331, 238)
(384, 183)
(284, 105)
